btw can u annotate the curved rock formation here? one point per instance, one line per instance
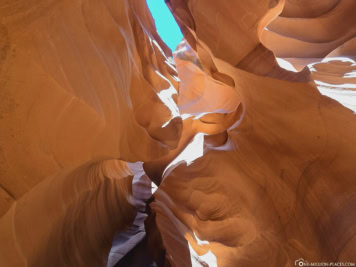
(253, 158)
(82, 82)
(313, 36)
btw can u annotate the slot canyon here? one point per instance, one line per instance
(237, 148)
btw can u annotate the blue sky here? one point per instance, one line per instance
(166, 25)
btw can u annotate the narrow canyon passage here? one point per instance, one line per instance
(220, 134)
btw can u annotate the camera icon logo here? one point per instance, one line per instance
(300, 262)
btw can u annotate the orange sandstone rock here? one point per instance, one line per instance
(254, 162)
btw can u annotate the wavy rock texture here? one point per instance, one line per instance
(311, 34)
(71, 94)
(80, 85)
(283, 186)
(255, 164)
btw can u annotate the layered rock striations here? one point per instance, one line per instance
(247, 128)
(80, 86)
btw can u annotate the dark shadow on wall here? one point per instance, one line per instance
(150, 252)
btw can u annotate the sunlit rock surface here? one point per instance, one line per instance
(248, 128)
